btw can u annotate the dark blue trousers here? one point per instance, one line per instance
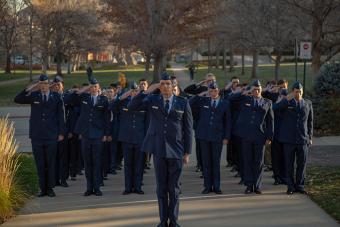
(92, 153)
(168, 172)
(211, 159)
(113, 148)
(299, 153)
(198, 153)
(74, 154)
(253, 161)
(106, 158)
(62, 161)
(278, 163)
(133, 166)
(44, 152)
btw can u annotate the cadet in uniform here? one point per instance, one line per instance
(213, 130)
(93, 127)
(169, 139)
(62, 160)
(47, 127)
(296, 134)
(255, 125)
(132, 133)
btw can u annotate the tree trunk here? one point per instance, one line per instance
(316, 45)
(158, 67)
(231, 61)
(243, 63)
(277, 66)
(8, 63)
(147, 65)
(217, 57)
(59, 62)
(68, 67)
(224, 65)
(255, 64)
(209, 55)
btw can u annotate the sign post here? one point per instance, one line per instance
(305, 54)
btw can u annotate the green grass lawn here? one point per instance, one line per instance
(265, 73)
(26, 176)
(323, 186)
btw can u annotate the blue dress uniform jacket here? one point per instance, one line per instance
(214, 124)
(255, 124)
(93, 122)
(298, 121)
(47, 120)
(132, 123)
(168, 135)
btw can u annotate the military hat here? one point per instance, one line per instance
(133, 85)
(213, 85)
(297, 85)
(284, 92)
(43, 77)
(57, 79)
(165, 76)
(93, 81)
(256, 83)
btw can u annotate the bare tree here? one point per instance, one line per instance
(158, 26)
(323, 25)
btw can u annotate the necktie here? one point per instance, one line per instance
(214, 104)
(92, 100)
(44, 98)
(167, 105)
(256, 103)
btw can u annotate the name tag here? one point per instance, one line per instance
(291, 107)
(36, 102)
(84, 102)
(142, 111)
(247, 104)
(100, 106)
(179, 111)
(206, 107)
(125, 109)
(155, 107)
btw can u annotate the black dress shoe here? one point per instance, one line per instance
(64, 184)
(105, 178)
(201, 176)
(174, 224)
(140, 192)
(88, 193)
(50, 193)
(80, 173)
(206, 191)
(57, 183)
(41, 194)
(258, 191)
(98, 193)
(248, 190)
(219, 192)
(126, 192)
(162, 224)
(301, 191)
(73, 178)
(290, 192)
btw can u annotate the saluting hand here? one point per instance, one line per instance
(125, 95)
(186, 158)
(109, 138)
(104, 138)
(32, 87)
(153, 87)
